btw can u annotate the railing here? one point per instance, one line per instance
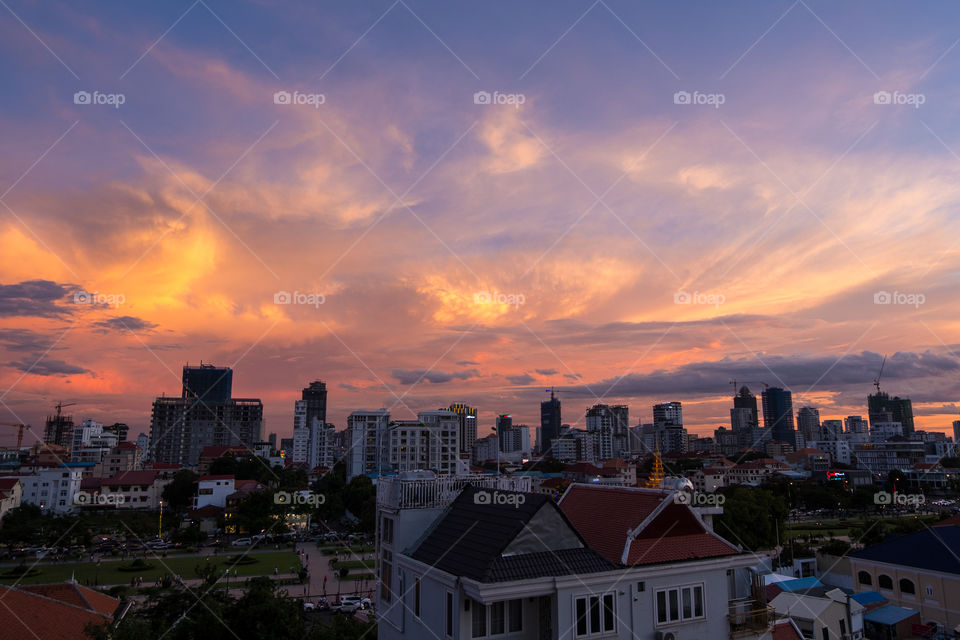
(748, 617)
(399, 493)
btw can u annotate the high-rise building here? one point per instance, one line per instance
(956, 431)
(58, 430)
(205, 414)
(808, 423)
(503, 426)
(313, 437)
(882, 408)
(549, 423)
(778, 414)
(517, 440)
(207, 383)
(855, 424)
(831, 430)
(467, 419)
(431, 442)
(610, 428)
(120, 429)
(366, 435)
(668, 426)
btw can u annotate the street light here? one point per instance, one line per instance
(160, 521)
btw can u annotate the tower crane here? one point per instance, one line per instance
(20, 427)
(876, 381)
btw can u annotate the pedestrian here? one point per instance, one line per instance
(276, 571)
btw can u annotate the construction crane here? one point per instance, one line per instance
(59, 407)
(735, 389)
(19, 426)
(876, 381)
(551, 391)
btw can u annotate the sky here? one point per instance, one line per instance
(429, 202)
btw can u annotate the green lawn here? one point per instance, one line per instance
(109, 573)
(354, 564)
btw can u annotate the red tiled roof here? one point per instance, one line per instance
(8, 483)
(551, 483)
(131, 477)
(582, 467)
(126, 445)
(52, 612)
(90, 483)
(77, 595)
(785, 631)
(605, 515)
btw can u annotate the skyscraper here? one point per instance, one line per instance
(855, 424)
(778, 414)
(956, 430)
(882, 408)
(808, 423)
(205, 414)
(207, 383)
(313, 437)
(668, 426)
(503, 426)
(549, 423)
(366, 442)
(467, 418)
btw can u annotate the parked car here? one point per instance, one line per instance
(241, 542)
(347, 608)
(366, 603)
(308, 606)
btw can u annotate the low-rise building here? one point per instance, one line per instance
(917, 571)
(11, 493)
(213, 490)
(607, 562)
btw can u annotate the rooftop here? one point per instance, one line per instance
(929, 549)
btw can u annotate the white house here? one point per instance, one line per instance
(52, 488)
(213, 490)
(607, 562)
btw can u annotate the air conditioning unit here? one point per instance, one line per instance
(666, 635)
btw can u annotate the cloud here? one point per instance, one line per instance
(348, 386)
(124, 323)
(48, 367)
(411, 376)
(38, 298)
(522, 379)
(546, 372)
(26, 340)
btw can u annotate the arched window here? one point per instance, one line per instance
(864, 578)
(885, 582)
(906, 586)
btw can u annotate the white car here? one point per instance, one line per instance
(308, 606)
(241, 542)
(347, 607)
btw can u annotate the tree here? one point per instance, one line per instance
(190, 536)
(179, 493)
(360, 498)
(260, 512)
(751, 517)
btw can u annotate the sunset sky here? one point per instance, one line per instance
(583, 206)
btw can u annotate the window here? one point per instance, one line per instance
(386, 579)
(497, 621)
(885, 582)
(386, 531)
(864, 578)
(479, 620)
(416, 597)
(929, 589)
(516, 615)
(595, 614)
(906, 586)
(679, 604)
(449, 614)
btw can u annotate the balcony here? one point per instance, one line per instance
(748, 618)
(438, 492)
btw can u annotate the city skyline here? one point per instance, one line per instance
(422, 204)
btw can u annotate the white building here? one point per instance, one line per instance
(52, 489)
(83, 432)
(473, 558)
(838, 450)
(516, 439)
(431, 442)
(884, 431)
(487, 448)
(366, 432)
(314, 444)
(213, 490)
